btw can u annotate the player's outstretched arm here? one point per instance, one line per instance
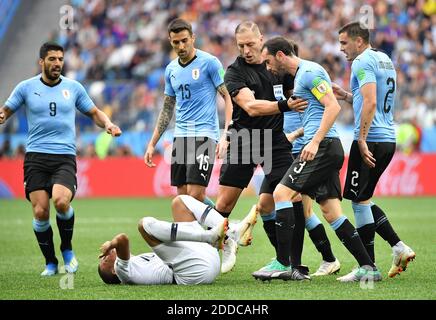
(342, 94)
(5, 113)
(294, 135)
(103, 121)
(162, 123)
(120, 243)
(255, 108)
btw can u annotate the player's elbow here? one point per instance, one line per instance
(252, 112)
(122, 238)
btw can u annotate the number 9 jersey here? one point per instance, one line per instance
(51, 113)
(373, 66)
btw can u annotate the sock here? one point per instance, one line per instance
(383, 226)
(207, 201)
(319, 238)
(365, 226)
(181, 231)
(44, 236)
(285, 224)
(65, 222)
(269, 225)
(351, 240)
(298, 237)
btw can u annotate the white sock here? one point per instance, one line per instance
(181, 231)
(198, 208)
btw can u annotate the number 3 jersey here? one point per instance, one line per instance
(373, 66)
(50, 112)
(194, 86)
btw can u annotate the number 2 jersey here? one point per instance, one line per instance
(195, 87)
(51, 113)
(373, 66)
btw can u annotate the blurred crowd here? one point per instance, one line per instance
(119, 48)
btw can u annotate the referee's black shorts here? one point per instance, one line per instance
(361, 180)
(318, 178)
(43, 170)
(236, 172)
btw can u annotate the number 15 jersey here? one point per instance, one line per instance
(373, 66)
(51, 113)
(195, 87)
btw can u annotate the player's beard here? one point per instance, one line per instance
(49, 75)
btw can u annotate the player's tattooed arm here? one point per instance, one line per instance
(162, 123)
(166, 114)
(221, 148)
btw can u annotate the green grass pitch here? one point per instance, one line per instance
(98, 220)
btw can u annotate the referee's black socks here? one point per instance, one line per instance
(298, 237)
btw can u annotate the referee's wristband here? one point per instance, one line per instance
(283, 106)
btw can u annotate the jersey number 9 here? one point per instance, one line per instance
(52, 107)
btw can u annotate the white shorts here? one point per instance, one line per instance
(192, 262)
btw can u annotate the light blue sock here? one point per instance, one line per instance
(362, 214)
(338, 222)
(67, 215)
(268, 217)
(312, 222)
(40, 226)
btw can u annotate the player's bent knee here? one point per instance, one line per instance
(146, 225)
(40, 212)
(61, 204)
(282, 193)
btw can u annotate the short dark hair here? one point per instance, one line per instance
(178, 25)
(247, 25)
(354, 30)
(49, 46)
(108, 277)
(277, 44)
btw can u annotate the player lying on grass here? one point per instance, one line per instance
(183, 251)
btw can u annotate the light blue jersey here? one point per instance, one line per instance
(375, 67)
(195, 87)
(292, 120)
(312, 82)
(51, 113)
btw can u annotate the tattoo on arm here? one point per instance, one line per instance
(222, 89)
(166, 114)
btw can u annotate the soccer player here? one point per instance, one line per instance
(293, 128)
(256, 96)
(191, 84)
(183, 251)
(316, 170)
(50, 161)
(373, 86)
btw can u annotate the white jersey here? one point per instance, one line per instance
(181, 262)
(146, 268)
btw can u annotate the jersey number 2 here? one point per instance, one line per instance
(52, 107)
(391, 90)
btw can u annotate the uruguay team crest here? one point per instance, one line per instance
(195, 73)
(278, 92)
(66, 94)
